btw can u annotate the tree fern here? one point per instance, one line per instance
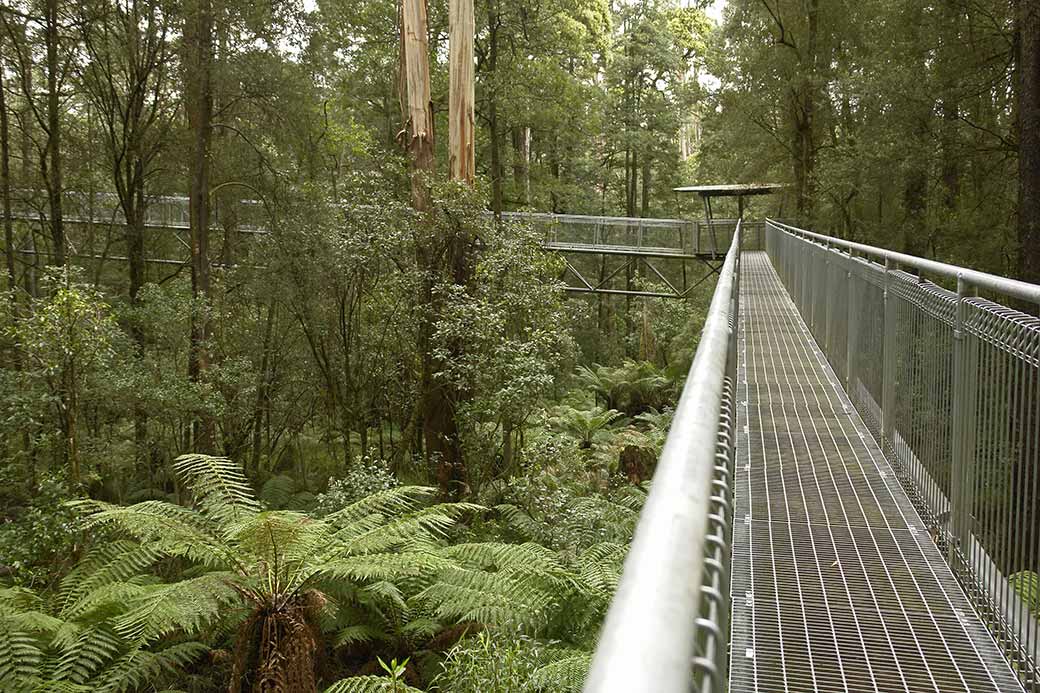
(355, 571)
(138, 667)
(111, 563)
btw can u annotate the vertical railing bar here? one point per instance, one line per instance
(1031, 624)
(1020, 470)
(960, 458)
(1005, 522)
(888, 360)
(850, 329)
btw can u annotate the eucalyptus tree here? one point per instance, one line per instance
(198, 67)
(652, 54)
(28, 25)
(127, 76)
(5, 173)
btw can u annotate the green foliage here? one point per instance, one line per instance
(356, 566)
(508, 662)
(363, 478)
(37, 540)
(585, 425)
(1027, 584)
(634, 387)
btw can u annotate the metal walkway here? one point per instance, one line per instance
(837, 584)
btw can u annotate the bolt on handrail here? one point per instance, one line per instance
(668, 622)
(949, 384)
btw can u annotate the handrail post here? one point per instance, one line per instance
(888, 389)
(852, 326)
(735, 310)
(962, 453)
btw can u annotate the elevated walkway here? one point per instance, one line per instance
(837, 585)
(797, 540)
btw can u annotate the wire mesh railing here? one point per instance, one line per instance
(668, 624)
(949, 382)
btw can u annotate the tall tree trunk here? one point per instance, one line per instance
(644, 210)
(5, 181)
(440, 429)
(522, 163)
(198, 33)
(262, 392)
(53, 159)
(494, 129)
(461, 129)
(415, 99)
(951, 44)
(1029, 140)
(804, 117)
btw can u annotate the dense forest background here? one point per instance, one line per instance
(376, 447)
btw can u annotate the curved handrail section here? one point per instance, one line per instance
(1012, 288)
(667, 624)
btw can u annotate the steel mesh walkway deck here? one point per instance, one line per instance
(837, 584)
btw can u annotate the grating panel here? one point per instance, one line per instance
(837, 584)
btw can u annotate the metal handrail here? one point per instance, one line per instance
(665, 610)
(1012, 288)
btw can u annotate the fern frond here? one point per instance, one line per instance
(383, 592)
(108, 563)
(370, 684)
(111, 597)
(19, 599)
(422, 627)
(139, 667)
(389, 502)
(490, 598)
(280, 536)
(600, 566)
(520, 522)
(383, 566)
(20, 654)
(219, 486)
(422, 527)
(164, 527)
(351, 635)
(527, 558)
(35, 623)
(184, 606)
(277, 492)
(85, 655)
(566, 675)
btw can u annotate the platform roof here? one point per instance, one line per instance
(731, 190)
